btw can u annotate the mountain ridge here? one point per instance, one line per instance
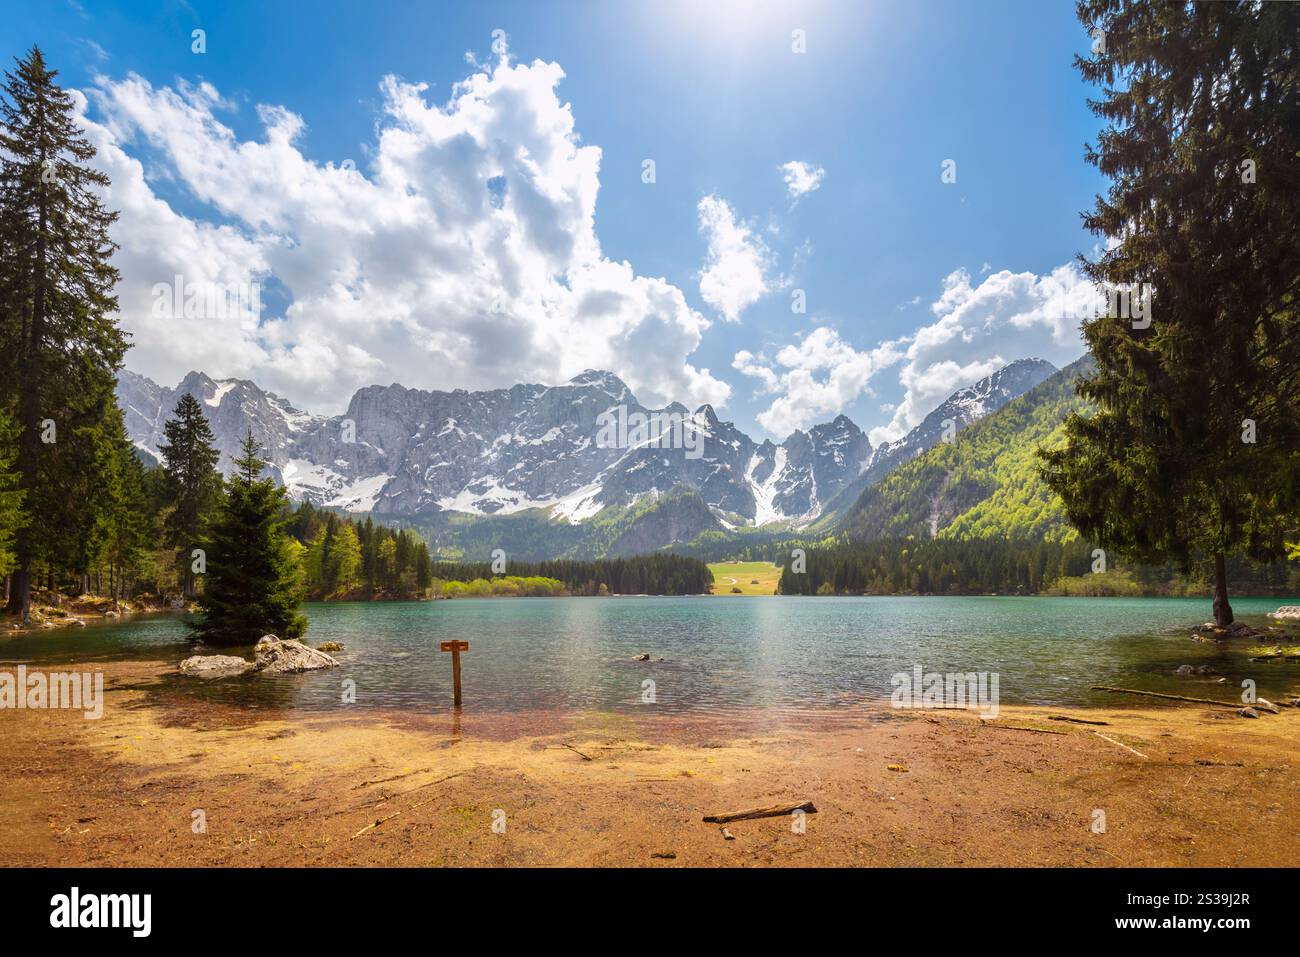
(537, 450)
(985, 482)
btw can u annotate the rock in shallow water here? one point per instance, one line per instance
(276, 657)
(214, 666)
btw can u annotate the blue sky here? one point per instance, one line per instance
(883, 95)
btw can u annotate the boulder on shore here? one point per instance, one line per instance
(1236, 630)
(276, 657)
(215, 666)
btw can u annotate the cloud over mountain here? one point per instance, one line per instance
(464, 252)
(977, 329)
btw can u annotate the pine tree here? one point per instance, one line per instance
(193, 483)
(1194, 451)
(346, 557)
(254, 580)
(120, 536)
(12, 516)
(59, 345)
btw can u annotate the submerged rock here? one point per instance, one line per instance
(276, 657)
(214, 666)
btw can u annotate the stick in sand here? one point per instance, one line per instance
(776, 810)
(1171, 697)
(1061, 717)
(1120, 743)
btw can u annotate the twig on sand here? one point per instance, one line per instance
(1063, 717)
(389, 817)
(585, 757)
(1021, 727)
(395, 777)
(1171, 697)
(1120, 743)
(776, 810)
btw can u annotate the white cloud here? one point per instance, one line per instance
(817, 376)
(464, 256)
(737, 273)
(977, 330)
(801, 178)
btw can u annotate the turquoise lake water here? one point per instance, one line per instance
(721, 655)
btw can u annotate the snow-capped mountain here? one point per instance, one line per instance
(411, 452)
(964, 407)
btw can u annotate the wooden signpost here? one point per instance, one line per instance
(455, 647)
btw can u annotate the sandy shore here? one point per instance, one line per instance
(275, 788)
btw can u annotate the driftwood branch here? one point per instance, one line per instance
(1171, 697)
(776, 810)
(1062, 717)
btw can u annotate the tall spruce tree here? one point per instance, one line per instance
(254, 580)
(121, 533)
(59, 344)
(1194, 451)
(12, 516)
(193, 483)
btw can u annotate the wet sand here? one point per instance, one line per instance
(922, 788)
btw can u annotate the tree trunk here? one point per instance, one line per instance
(1222, 610)
(29, 415)
(20, 593)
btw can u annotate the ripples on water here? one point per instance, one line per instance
(782, 657)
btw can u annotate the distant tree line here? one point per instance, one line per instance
(997, 566)
(659, 574)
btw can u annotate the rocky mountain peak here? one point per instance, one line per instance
(412, 452)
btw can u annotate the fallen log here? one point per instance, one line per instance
(776, 810)
(1062, 717)
(1171, 697)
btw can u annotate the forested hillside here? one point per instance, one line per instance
(983, 484)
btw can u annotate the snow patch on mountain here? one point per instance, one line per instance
(410, 451)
